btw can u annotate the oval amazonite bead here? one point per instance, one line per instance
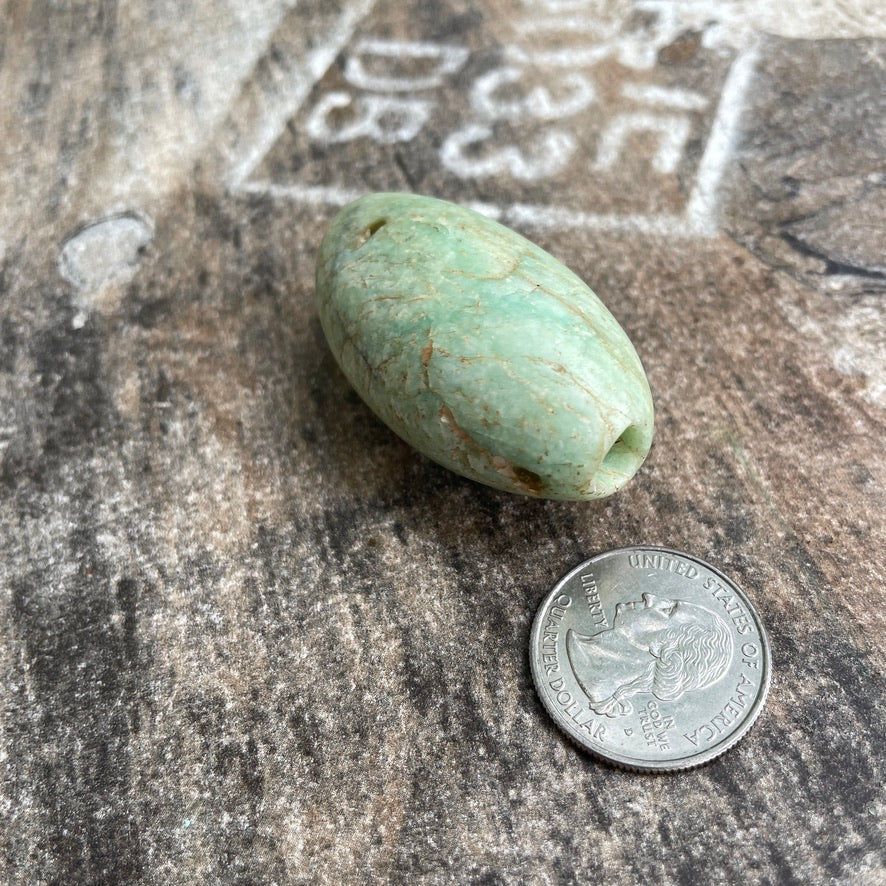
(481, 350)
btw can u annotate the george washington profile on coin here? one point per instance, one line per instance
(650, 658)
(659, 646)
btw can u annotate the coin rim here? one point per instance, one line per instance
(632, 763)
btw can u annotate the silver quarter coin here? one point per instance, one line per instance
(651, 659)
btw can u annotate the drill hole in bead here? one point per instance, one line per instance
(621, 461)
(625, 448)
(370, 230)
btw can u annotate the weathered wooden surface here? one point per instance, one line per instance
(251, 637)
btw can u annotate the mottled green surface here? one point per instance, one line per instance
(482, 350)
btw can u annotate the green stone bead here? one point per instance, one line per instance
(481, 350)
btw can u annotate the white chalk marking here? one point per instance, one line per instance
(578, 57)
(550, 153)
(538, 103)
(553, 217)
(699, 219)
(701, 209)
(488, 209)
(295, 90)
(517, 214)
(639, 49)
(672, 131)
(407, 114)
(663, 96)
(449, 59)
(557, 6)
(574, 24)
(314, 195)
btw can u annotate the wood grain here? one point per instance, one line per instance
(249, 635)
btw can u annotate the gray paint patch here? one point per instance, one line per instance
(105, 252)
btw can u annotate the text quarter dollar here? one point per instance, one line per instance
(651, 659)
